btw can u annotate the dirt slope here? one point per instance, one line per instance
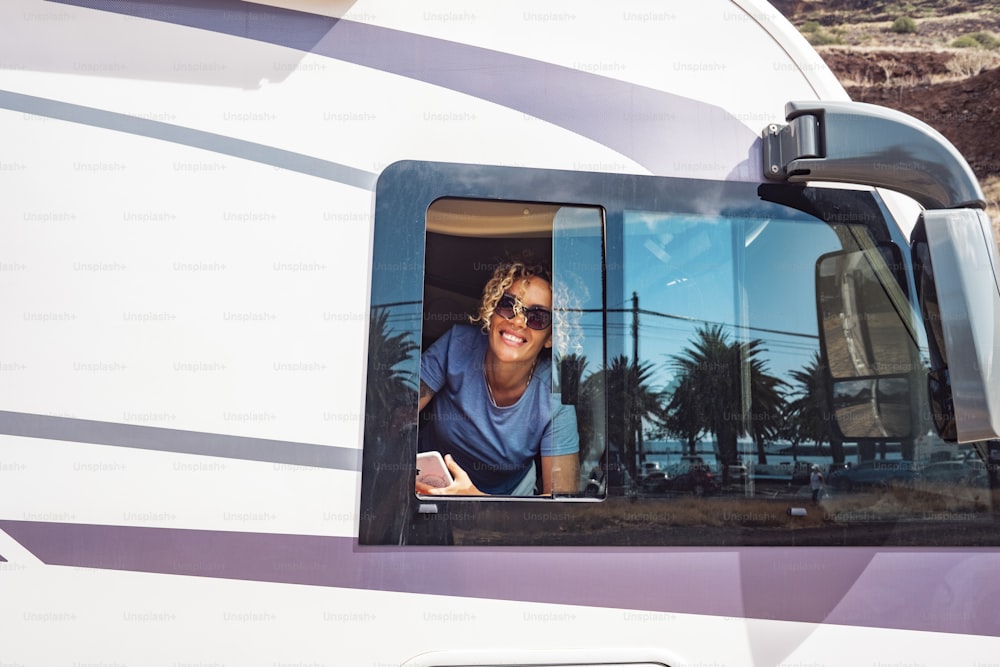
(920, 71)
(966, 111)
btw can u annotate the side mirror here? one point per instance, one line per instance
(868, 341)
(956, 268)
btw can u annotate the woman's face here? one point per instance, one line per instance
(512, 340)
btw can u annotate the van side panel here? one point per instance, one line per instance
(185, 267)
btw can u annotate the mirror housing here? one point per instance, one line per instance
(956, 264)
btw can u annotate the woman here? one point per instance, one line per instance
(488, 390)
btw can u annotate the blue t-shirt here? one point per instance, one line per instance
(495, 445)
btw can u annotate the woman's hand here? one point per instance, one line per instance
(461, 486)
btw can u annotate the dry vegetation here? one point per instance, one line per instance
(937, 60)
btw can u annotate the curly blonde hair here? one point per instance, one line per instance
(505, 275)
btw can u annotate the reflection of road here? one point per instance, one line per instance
(872, 417)
(862, 417)
(853, 332)
(857, 354)
(859, 336)
(846, 350)
(876, 408)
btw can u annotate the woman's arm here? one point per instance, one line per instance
(560, 474)
(462, 485)
(426, 394)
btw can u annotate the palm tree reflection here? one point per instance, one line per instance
(725, 389)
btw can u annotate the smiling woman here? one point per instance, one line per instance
(486, 393)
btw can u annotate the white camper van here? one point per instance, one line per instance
(230, 231)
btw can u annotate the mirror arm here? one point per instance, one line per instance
(865, 144)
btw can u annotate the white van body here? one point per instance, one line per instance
(185, 265)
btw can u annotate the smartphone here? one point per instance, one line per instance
(432, 471)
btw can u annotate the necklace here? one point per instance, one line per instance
(489, 389)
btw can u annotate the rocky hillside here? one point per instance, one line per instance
(937, 60)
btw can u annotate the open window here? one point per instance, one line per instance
(440, 232)
(467, 241)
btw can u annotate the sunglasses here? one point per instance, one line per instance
(535, 317)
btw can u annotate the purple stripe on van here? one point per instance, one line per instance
(850, 586)
(654, 128)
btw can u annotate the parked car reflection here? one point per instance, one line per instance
(873, 474)
(970, 472)
(698, 481)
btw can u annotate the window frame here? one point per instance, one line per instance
(404, 193)
(390, 512)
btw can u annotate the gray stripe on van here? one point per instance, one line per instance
(187, 136)
(138, 436)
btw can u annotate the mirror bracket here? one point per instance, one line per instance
(865, 144)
